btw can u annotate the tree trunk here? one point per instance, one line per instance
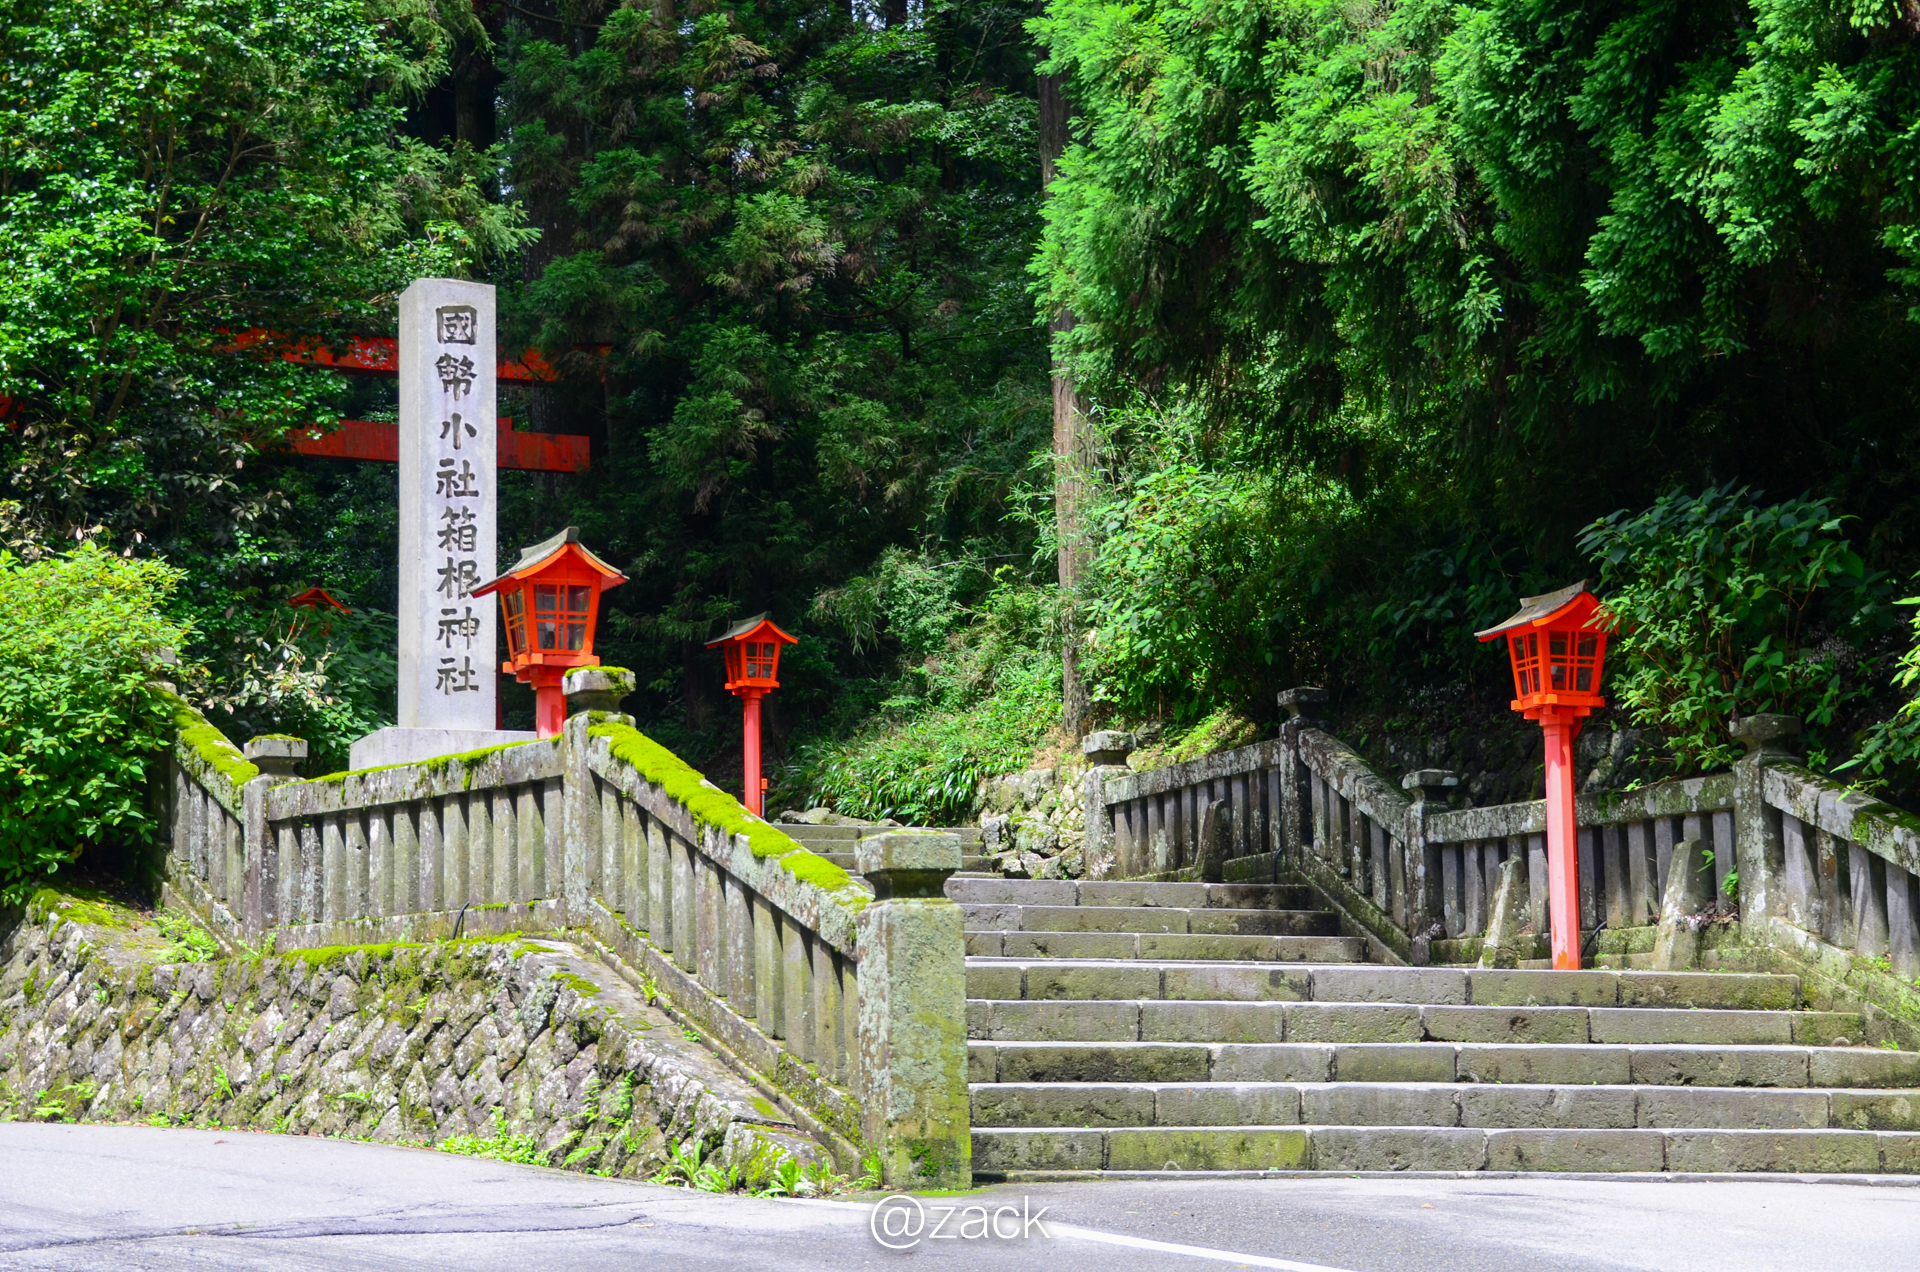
(1072, 444)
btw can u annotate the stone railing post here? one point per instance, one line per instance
(278, 757)
(591, 692)
(1302, 705)
(912, 1076)
(1106, 753)
(1429, 789)
(1758, 854)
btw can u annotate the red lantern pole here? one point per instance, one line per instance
(750, 719)
(752, 651)
(1557, 644)
(1563, 843)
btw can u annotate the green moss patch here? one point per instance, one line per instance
(80, 905)
(435, 764)
(211, 745)
(711, 806)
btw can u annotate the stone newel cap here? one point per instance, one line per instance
(275, 746)
(1763, 733)
(1109, 746)
(597, 688)
(1427, 783)
(1303, 702)
(276, 754)
(907, 851)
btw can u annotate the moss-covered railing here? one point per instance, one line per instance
(757, 943)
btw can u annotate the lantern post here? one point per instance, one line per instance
(550, 600)
(752, 651)
(1557, 645)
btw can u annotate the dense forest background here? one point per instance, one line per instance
(1040, 366)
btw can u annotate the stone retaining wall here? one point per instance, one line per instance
(392, 1043)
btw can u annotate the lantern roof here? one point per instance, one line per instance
(317, 598)
(1573, 601)
(547, 552)
(751, 627)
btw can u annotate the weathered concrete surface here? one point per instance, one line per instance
(409, 1044)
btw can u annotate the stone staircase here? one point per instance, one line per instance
(835, 843)
(1160, 1027)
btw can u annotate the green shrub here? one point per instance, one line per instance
(983, 694)
(80, 718)
(1714, 595)
(1890, 748)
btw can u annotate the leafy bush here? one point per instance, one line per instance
(1713, 594)
(324, 676)
(1892, 746)
(983, 695)
(81, 637)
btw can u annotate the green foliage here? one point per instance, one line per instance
(179, 172)
(187, 940)
(323, 676)
(502, 1146)
(802, 234)
(81, 638)
(1890, 748)
(978, 690)
(1712, 595)
(1380, 304)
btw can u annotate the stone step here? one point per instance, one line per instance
(1180, 896)
(1156, 945)
(1440, 1104)
(974, 863)
(1133, 977)
(1089, 918)
(849, 835)
(1010, 1153)
(1160, 1020)
(1546, 1064)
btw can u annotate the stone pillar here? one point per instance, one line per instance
(278, 757)
(911, 1078)
(1758, 853)
(1106, 753)
(1429, 788)
(449, 672)
(591, 692)
(1302, 705)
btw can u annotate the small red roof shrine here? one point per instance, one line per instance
(316, 598)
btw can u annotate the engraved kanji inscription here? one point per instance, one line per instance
(461, 483)
(455, 428)
(456, 676)
(458, 623)
(457, 324)
(458, 578)
(458, 531)
(456, 375)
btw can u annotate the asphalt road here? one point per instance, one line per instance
(128, 1198)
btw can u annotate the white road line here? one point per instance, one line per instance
(1192, 1252)
(1120, 1239)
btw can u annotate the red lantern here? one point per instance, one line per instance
(551, 602)
(752, 651)
(1557, 646)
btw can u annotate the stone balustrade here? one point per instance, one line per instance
(835, 999)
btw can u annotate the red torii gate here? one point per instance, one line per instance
(379, 357)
